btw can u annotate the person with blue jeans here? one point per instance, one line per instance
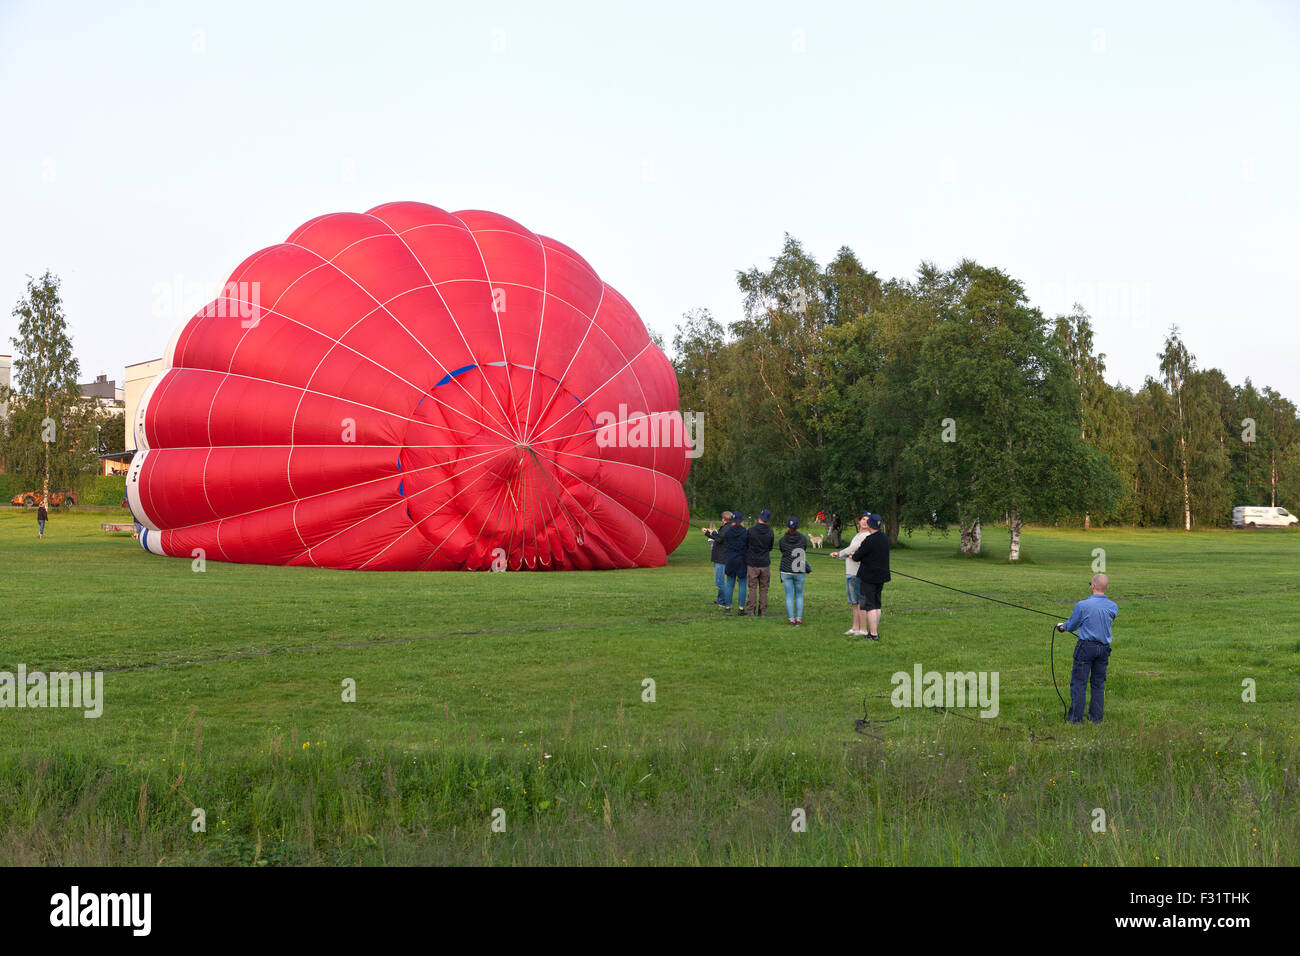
(794, 569)
(718, 555)
(1091, 621)
(736, 536)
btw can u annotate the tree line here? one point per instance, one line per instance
(948, 399)
(51, 438)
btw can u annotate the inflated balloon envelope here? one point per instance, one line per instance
(413, 389)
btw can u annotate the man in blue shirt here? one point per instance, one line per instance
(1091, 621)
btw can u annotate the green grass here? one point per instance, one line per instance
(524, 692)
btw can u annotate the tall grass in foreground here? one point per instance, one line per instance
(966, 796)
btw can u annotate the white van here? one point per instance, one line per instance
(1263, 518)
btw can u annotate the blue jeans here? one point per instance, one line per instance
(1090, 658)
(731, 589)
(719, 580)
(793, 584)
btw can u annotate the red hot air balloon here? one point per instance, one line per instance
(413, 389)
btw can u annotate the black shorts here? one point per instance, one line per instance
(871, 592)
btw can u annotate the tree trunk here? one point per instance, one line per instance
(1182, 445)
(1013, 525)
(45, 481)
(1187, 501)
(970, 537)
(1087, 521)
(891, 517)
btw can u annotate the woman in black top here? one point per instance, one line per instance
(794, 569)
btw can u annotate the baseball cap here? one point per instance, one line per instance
(873, 521)
(765, 514)
(793, 522)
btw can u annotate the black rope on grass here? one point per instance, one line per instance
(983, 597)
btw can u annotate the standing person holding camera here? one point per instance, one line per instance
(718, 555)
(852, 583)
(737, 538)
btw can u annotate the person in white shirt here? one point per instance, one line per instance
(851, 583)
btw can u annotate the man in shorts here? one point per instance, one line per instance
(852, 585)
(873, 573)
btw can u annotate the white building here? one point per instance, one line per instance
(138, 378)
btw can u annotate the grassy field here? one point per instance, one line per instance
(524, 693)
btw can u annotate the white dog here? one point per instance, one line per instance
(816, 542)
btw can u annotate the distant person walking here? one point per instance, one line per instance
(1091, 621)
(737, 539)
(758, 561)
(834, 531)
(718, 555)
(794, 569)
(852, 585)
(872, 556)
(42, 516)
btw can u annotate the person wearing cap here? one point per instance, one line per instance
(718, 555)
(872, 556)
(737, 538)
(1091, 620)
(852, 585)
(794, 569)
(758, 560)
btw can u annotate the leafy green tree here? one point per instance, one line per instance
(778, 433)
(1104, 420)
(1004, 430)
(1195, 429)
(872, 409)
(1280, 453)
(701, 356)
(50, 440)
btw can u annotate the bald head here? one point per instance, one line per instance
(1100, 583)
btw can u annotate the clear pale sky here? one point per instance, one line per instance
(1142, 159)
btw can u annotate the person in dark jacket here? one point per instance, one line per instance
(737, 538)
(758, 560)
(42, 516)
(794, 569)
(718, 555)
(834, 531)
(873, 572)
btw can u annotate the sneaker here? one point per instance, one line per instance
(850, 631)
(873, 637)
(741, 613)
(798, 622)
(726, 609)
(791, 622)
